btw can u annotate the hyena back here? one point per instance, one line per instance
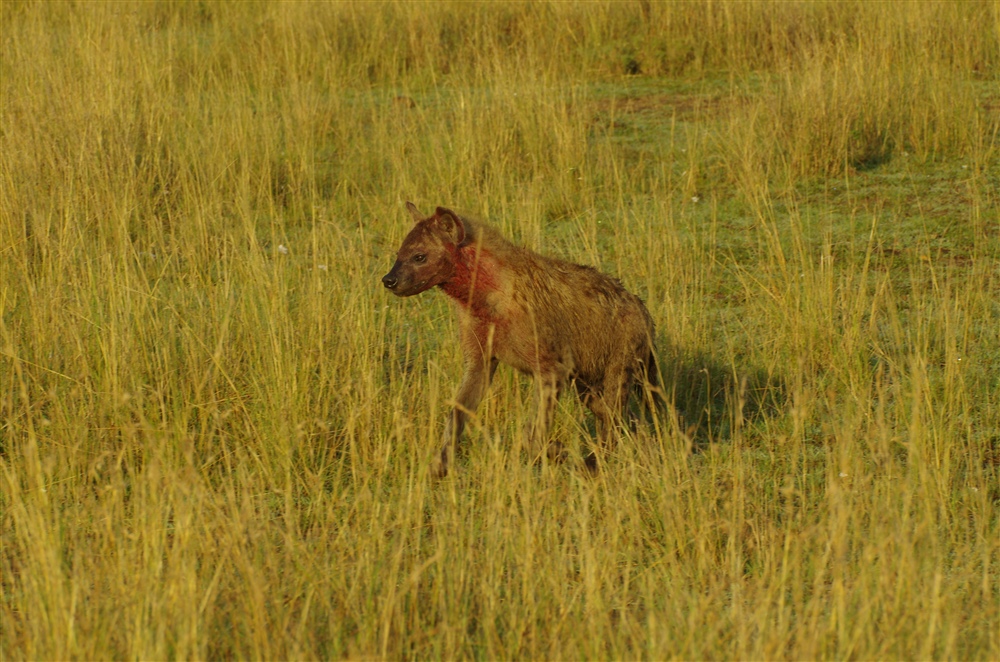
(556, 321)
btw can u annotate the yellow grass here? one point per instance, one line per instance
(215, 428)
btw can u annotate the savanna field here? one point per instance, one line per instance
(216, 427)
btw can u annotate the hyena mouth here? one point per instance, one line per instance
(416, 288)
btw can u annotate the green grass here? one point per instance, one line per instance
(216, 428)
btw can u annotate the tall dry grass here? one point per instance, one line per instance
(215, 429)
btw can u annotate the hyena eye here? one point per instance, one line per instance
(419, 257)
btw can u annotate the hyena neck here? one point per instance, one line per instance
(474, 278)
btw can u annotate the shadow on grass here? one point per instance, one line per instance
(710, 397)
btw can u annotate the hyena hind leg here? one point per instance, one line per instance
(608, 405)
(546, 395)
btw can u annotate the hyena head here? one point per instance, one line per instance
(427, 256)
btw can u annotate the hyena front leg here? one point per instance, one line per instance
(478, 373)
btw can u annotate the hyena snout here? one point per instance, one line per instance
(402, 282)
(398, 279)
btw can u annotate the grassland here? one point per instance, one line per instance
(215, 428)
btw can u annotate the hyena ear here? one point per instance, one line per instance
(450, 224)
(414, 212)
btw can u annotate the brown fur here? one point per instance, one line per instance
(557, 321)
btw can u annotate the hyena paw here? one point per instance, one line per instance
(553, 450)
(556, 451)
(439, 465)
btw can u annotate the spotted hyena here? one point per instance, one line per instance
(554, 320)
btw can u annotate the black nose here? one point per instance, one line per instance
(389, 281)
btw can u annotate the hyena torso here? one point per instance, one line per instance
(557, 321)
